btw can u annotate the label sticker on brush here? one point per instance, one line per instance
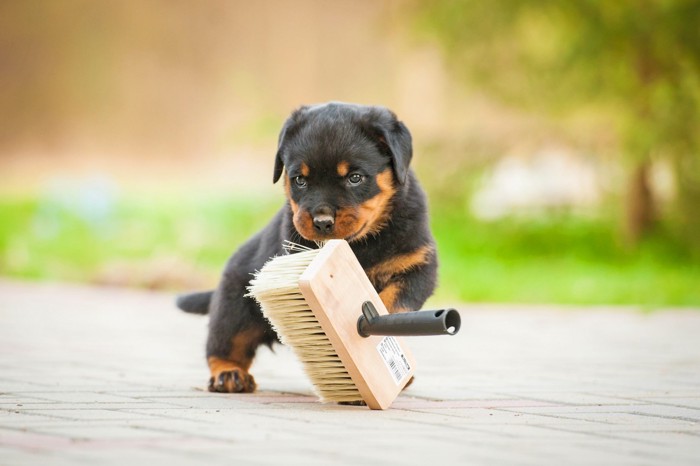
(393, 357)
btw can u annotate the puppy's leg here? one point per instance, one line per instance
(236, 329)
(229, 373)
(409, 289)
(404, 293)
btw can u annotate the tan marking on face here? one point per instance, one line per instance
(343, 169)
(305, 169)
(396, 265)
(303, 222)
(374, 213)
(346, 222)
(351, 223)
(288, 192)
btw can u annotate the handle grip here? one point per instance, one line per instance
(417, 323)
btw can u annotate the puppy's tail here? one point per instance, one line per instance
(195, 303)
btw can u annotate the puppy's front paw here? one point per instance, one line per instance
(232, 381)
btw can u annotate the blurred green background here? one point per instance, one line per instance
(558, 141)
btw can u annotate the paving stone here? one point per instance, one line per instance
(118, 377)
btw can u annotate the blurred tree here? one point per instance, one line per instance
(637, 60)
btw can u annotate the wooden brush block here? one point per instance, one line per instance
(335, 286)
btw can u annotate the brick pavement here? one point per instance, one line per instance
(105, 376)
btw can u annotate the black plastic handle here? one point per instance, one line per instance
(417, 323)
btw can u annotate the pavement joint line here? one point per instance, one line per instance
(691, 420)
(606, 435)
(643, 402)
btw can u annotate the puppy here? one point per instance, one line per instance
(346, 175)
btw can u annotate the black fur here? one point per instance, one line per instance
(195, 303)
(372, 141)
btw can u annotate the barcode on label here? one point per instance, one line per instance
(393, 357)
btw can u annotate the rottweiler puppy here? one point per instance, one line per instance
(346, 175)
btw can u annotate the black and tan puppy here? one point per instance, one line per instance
(346, 175)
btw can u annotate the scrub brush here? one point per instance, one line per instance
(321, 304)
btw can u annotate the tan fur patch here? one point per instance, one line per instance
(384, 271)
(374, 213)
(243, 345)
(218, 365)
(346, 222)
(343, 169)
(229, 377)
(288, 192)
(389, 296)
(302, 220)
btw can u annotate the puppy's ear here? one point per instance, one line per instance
(288, 129)
(401, 146)
(279, 163)
(396, 140)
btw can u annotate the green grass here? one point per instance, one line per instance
(560, 259)
(564, 259)
(42, 239)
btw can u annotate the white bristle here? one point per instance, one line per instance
(277, 290)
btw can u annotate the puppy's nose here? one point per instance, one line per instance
(324, 223)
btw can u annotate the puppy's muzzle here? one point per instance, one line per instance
(323, 220)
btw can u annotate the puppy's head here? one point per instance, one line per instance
(344, 164)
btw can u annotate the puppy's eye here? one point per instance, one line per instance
(355, 178)
(300, 181)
